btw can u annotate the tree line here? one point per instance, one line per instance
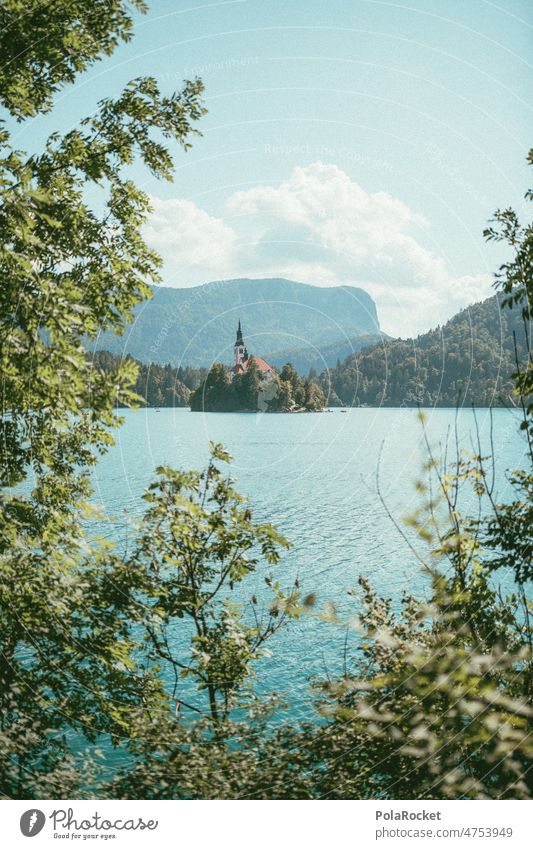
(285, 392)
(467, 361)
(213, 390)
(155, 385)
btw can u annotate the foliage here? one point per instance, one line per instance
(67, 662)
(45, 46)
(244, 761)
(439, 704)
(436, 699)
(222, 392)
(69, 272)
(515, 279)
(314, 396)
(155, 385)
(215, 394)
(294, 391)
(468, 361)
(246, 387)
(295, 385)
(197, 541)
(439, 700)
(247, 392)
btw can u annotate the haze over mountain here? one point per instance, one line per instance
(196, 326)
(325, 356)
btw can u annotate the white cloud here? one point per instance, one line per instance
(191, 242)
(320, 201)
(319, 227)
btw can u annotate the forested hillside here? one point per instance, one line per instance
(159, 386)
(468, 360)
(316, 359)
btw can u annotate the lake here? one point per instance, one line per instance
(315, 477)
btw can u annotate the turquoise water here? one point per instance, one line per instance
(315, 477)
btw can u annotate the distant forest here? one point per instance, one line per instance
(158, 386)
(468, 360)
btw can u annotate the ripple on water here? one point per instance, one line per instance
(315, 477)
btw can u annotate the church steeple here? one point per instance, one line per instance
(239, 348)
(242, 360)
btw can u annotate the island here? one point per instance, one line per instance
(253, 385)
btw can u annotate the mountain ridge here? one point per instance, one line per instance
(196, 326)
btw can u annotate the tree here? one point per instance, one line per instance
(197, 541)
(68, 662)
(45, 47)
(216, 393)
(516, 282)
(314, 396)
(155, 385)
(290, 375)
(281, 395)
(470, 360)
(247, 386)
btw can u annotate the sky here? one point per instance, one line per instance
(347, 142)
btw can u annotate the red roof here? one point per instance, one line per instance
(260, 364)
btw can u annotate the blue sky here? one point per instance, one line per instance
(347, 142)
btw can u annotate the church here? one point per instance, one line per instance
(242, 359)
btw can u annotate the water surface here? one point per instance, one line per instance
(316, 477)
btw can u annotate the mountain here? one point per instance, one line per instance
(469, 360)
(325, 356)
(196, 326)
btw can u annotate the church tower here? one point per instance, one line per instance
(239, 349)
